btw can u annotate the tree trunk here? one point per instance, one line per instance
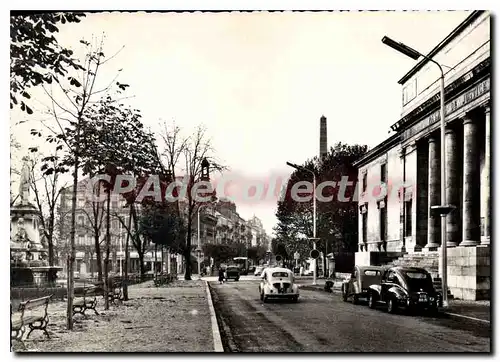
(106, 259)
(127, 255)
(156, 258)
(72, 256)
(187, 251)
(98, 256)
(141, 265)
(97, 235)
(50, 245)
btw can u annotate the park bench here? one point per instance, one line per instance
(32, 314)
(162, 279)
(86, 300)
(115, 292)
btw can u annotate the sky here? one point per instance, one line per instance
(259, 82)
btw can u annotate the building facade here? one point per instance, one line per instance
(400, 178)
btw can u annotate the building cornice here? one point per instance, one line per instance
(474, 75)
(377, 150)
(461, 27)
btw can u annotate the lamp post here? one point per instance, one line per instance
(443, 209)
(297, 167)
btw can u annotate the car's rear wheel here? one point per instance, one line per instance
(371, 301)
(236, 279)
(355, 299)
(391, 306)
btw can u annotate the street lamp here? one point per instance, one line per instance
(442, 209)
(198, 248)
(297, 167)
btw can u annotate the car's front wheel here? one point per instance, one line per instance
(391, 306)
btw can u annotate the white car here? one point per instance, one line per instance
(278, 283)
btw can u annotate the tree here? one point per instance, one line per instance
(70, 108)
(197, 150)
(35, 55)
(221, 253)
(256, 253)
(336, 219)
(46, 199)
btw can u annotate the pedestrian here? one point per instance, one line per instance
(221, 275)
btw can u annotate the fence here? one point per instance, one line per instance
(21, 293)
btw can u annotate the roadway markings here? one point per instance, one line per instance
(213, 318)
(464, 316)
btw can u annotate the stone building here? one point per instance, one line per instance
(396, 224)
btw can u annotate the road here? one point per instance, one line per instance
(322, 322)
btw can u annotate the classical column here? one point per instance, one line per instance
(485, 182)
(433, 225)
(471, 232)
(452, 187)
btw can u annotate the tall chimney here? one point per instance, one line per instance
(323, 144)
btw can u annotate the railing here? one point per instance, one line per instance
(21, 293)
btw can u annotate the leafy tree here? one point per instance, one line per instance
(256, 253)
(221, 253)
(336, 223)
(71, 106)
(35, 55)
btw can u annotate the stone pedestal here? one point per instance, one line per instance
(469, 272)
(471, 232)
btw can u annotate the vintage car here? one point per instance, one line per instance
(278, 283)
(232, 272)
(405, 287)
(357, 284)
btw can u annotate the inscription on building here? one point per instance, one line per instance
(450, 107)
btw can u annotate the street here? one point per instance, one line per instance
(322, 322)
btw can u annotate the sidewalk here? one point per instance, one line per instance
(175, 318)
(465, 309)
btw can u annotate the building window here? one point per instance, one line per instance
(364, 222)
(81, 202)
(81, 240)
(365, 181)
(383, 220)
(383, 173)
(408, 208)
(81, 221)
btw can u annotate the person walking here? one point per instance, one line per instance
(221, 275)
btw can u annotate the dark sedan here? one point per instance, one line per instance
(232, 272)
(404, 287)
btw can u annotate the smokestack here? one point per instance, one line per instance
(323, 144)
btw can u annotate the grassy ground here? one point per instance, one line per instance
(165, 319)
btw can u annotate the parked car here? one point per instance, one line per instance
(278, 283)
(258, 270)
(357, 284)
(232, 272)
(405, 287)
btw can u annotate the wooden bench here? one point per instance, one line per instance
(86, 300)
(115, 292)
(162, 279)
(30, 315)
